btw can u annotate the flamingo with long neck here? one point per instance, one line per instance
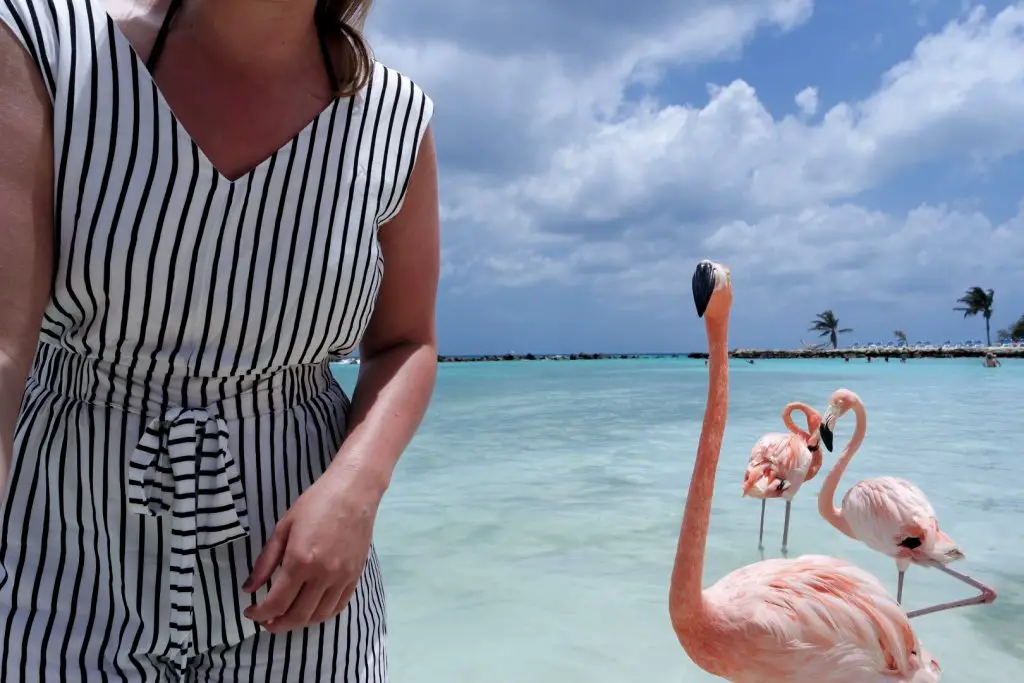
(890, 515)
(780, 464)
(813, 619)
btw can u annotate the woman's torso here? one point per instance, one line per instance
(166, 267)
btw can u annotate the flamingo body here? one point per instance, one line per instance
(779, 465)
(813, 618)
(885, 512)
(889, 515)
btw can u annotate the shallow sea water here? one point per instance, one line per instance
(529, 533)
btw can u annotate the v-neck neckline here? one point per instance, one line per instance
(146, 76)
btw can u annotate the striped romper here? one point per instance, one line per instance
(181, 397)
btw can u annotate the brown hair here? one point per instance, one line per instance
(344, 20)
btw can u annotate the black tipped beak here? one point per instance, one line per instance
(826, 437)
(703, 286)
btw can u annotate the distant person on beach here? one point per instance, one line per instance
(198, 201)
(991, 361)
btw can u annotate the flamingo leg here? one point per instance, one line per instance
(785, 528)
(985, 595)
(760, 535)
(899, 589)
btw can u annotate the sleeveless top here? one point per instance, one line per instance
(166, 268)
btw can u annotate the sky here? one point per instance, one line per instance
(863, 156)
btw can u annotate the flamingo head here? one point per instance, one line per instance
(841, 402)
(712, 289)
(814, 429)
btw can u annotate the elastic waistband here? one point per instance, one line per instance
(144, 392)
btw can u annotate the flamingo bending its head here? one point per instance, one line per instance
(888, 514)
(812, 619)
(780, 464)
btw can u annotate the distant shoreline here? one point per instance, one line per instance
(759, 354)
(904, 352)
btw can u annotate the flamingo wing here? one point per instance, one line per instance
(894, 517)
(816, 618)
(777, 467)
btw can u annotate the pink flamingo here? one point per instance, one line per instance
(781, 463)
(812, 619)
(887, 514)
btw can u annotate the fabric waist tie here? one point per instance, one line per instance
(182, 468)
(182, 465)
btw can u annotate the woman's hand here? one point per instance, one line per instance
(319, 549)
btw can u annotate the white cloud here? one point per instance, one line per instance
(506, 106)
(872, 256)
(807, 101)
(556, 175)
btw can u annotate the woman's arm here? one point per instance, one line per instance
(398, 354)
(319, 548)
(26, 226)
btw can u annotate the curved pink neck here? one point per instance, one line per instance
(686, 600)
(809, 440)
(787, 418)
(826, 496)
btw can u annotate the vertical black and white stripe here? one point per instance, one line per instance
(181, 397)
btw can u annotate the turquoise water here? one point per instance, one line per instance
(530, 530)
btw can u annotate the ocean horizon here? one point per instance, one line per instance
(530, 529)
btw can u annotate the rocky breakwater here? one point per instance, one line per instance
(949, 352)
(497, 358)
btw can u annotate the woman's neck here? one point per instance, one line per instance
(263, 33)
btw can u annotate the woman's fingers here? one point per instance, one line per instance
(333, 603)
(301, 611)
(270, 557)
(283, 591)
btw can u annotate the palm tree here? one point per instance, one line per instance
(900, 335)
(827, 324)
(977, 300)
(1015, 332)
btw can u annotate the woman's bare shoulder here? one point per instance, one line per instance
(138, 20)
(135, 10)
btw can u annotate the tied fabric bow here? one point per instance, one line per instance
(182, 465)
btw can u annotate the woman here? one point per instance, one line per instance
(199, 200)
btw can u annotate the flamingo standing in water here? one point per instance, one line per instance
(781, 463)
(812, 619)
(887, 514)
